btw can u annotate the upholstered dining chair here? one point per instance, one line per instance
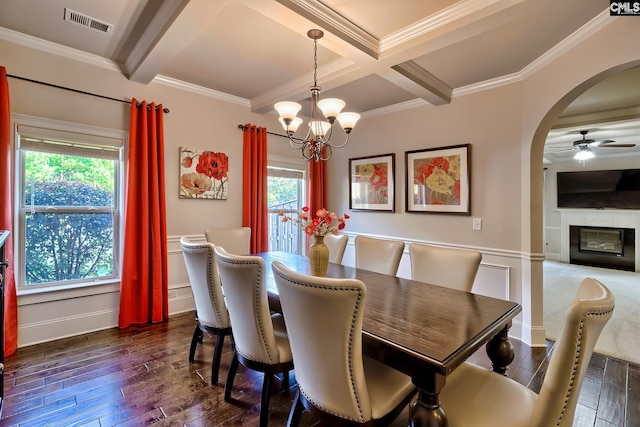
(379, 255)
(337, 243)
(235, 240)
(473, 396)
(336, 383)
(449, 267)
(260, 338)
(211, 312)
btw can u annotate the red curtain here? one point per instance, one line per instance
(6, 218)
(254, 187)
(317, 190)
(144, 286)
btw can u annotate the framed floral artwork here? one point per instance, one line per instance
(371, 183)
(203, 174)
(438, 180)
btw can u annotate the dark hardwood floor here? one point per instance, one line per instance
(141, 376)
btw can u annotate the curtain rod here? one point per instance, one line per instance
(243, 127)
(165, 110)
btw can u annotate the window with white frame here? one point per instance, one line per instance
(286, 192)
(69, 202)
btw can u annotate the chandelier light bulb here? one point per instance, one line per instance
(348, 121)
(319, 128)
(293, 126)
(287, 110)
(331, 108)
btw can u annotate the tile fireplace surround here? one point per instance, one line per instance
(598, 218)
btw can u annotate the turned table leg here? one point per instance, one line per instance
(500, 351)
(426, 410)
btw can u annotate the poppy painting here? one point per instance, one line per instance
(438, 180)
(203, 174)
(371, 183)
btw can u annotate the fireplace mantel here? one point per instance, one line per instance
(598, 218)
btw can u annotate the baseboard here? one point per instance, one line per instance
(65, 327)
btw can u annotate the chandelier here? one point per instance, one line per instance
(316, 144)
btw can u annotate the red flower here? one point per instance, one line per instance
(325, 222)
(187, 162)
(214, 165)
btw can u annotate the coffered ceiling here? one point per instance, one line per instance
(377, 55)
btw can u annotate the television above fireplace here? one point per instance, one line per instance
(599, 189)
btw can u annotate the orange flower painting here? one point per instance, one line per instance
(438, 180)
(371, 183)
(203, 174)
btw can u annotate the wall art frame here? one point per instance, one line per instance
(203, 174)
(438, 180)
(372, 183)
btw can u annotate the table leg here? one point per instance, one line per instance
(426, 410)
(500, 351)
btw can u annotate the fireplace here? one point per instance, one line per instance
(606, 247)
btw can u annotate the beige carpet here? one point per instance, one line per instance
(621, 336)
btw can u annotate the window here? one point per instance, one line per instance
(69, 206)
(285, 187)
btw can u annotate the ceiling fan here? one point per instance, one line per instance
(585, 147)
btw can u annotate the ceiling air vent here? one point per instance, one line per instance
(86, 21)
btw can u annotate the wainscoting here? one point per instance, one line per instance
(54, 315)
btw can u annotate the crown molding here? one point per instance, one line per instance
(569, 43)
(57, 49)
(326, 17)
(200, 90)
(444, 17)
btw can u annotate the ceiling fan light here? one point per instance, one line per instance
(584, 154)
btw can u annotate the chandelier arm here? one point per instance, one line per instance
(328, 153)
(339, 146)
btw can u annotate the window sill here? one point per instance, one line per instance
(63, 292)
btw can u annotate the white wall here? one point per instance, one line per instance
(506, 126)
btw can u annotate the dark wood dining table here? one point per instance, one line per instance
(423, 330)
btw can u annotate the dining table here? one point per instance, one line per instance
(421, 329)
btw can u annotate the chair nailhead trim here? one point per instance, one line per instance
(266, 348)
(577, 359)
(351, 338)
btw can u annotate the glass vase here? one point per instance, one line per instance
(318, 257)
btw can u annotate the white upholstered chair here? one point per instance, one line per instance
(260, 338)
(211, 311)
(337, 245)
(448, 267)
(234, 240)
(379, 255)
(336, 382)
(473, 396)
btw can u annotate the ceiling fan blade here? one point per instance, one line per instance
(617, 146)
(600, 143)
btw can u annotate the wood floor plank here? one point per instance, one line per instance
(141, 376)
(612, 403)
(632, 417)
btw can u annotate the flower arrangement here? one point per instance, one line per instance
(324, 223)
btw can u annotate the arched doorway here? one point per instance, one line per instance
(556, 112)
